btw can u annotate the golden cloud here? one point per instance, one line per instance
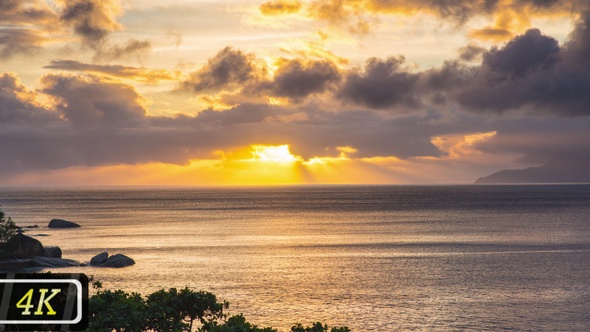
(280, 7)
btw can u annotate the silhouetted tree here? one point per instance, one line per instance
(7, 231)
(7, 228)
(171, 311)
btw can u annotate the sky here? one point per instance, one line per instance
(244, 92)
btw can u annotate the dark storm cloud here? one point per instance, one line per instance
(18, 105)
(532, 72)
(524, 54)
(88, 102)
(245, 113)
(381, 84)
(540, 140)
(227, 69)
(577, 49)
(96, 123)
(296, 79)
(471, 52)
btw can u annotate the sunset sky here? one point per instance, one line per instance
(181, 92)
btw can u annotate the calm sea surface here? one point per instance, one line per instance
(375, 258)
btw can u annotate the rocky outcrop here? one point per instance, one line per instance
(22, 246)
(54, 252)
(60, 223)
(25, 253)
(47, 262)
(118, 260)
(99, 259)
(36, 263)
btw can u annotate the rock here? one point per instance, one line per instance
(54, 252)
(53, 262)
(99, 259)
(22, 246)
(15, 265)
(35, 264)
(60, 223)
(118, 260)
(34, 226)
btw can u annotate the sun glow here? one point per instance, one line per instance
(274, 153)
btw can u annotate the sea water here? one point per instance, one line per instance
(374, 258)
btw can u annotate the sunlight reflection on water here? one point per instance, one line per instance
(373, 258)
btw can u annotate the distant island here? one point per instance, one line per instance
(570, 170)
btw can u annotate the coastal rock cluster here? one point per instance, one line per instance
(23, 252)
(118, 260)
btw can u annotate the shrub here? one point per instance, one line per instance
(7, 231)
(171, 310)
(7, 228)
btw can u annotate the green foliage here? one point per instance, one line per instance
(239, 324)
(317, 327)
(117, 310)
(7, 228)
(175, 310)
(7, 231)
(171, 310)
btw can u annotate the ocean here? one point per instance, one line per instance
(373, 258)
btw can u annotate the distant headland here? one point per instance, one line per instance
(570, 170)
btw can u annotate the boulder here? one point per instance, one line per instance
(99, 259)
(60, 223)
(15, 265)
(22, 246)
(118, 260)
(46, 262)
(54, 252)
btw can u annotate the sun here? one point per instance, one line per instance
(274, 153)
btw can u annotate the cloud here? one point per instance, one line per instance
(534, 73)
(24, 26)
(245, 113)
(381, 84)
(509, 17)
(127, 72)
(471, 52)
(133, 48)
(228, 69)
(523, 55)
(491, 33)
(278, 7)
(23, 42)
(296, 79)
(19, 105)
(93, 122)
(577, 48)
(26, 13)
(88, 102)
(92, 20)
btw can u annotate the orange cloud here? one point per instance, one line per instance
(509, 17)
(133, 73)
(280, 7)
